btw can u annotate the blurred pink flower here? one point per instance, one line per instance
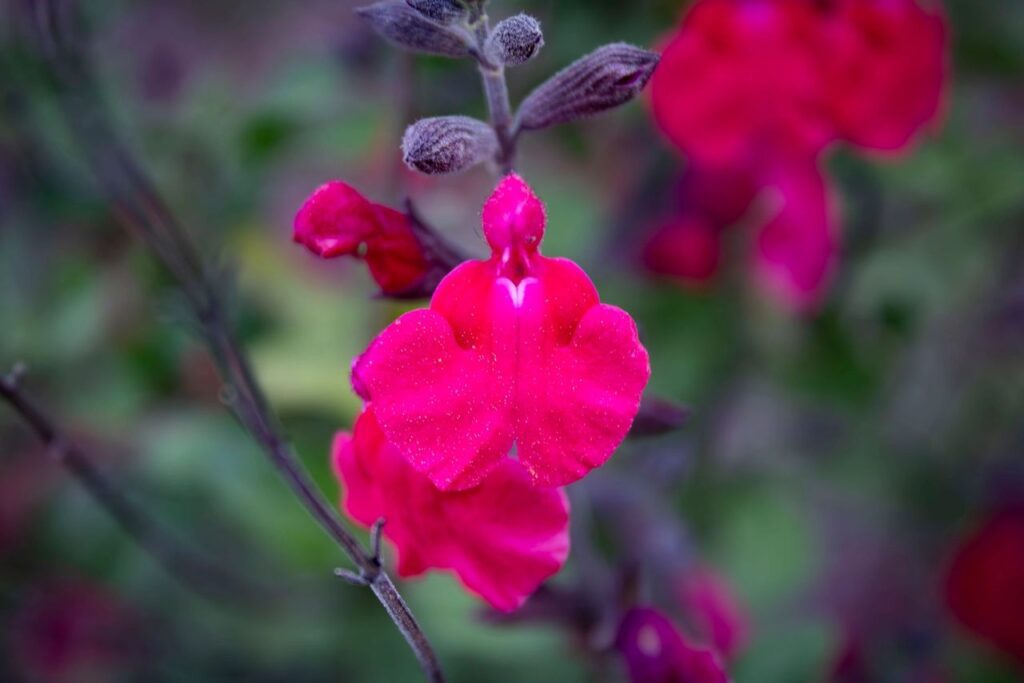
(761, 88)
(984, 586)
(786, 204)
(711, 606)
(338, 221)
(72, 631)
(686, 248)
(502, 538)
(517, 349)
(741, 79)
(797, 246)
(655, 651)
(884, 68)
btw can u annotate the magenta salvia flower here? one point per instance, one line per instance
(765, 88)
(502, 538)
(514, 350)
(337, 220)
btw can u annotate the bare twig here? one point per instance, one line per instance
(141, 210)
(193, 569)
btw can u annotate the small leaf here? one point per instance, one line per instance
(441, 11)
(606, 78)
(514, 40)
(447, 144)
(408, 28)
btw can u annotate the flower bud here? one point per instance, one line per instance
(441, 11)
(447, 144)
(410, 29)
(606, 78)
(514, 40)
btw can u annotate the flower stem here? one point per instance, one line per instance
(496, 90)
(141, 210)
(193, 569)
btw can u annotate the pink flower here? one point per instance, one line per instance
(797, 246)
(655, 651)
(788, 206)
(984, 586)
(338, 221)
(515, 350)
(884, 67)
(711, 606)
(687, 248)
(72, 631)
(502, 538)
(741, 79)
(747, 79)
(764, 87)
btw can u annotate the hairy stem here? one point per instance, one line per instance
(496, 90)
(142, 211)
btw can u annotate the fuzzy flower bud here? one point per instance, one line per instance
(447, 144)
(514, 40)
(409, 28)
(606, 78)
(441, 11)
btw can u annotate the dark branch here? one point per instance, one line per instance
(141, 210)
(193, 569)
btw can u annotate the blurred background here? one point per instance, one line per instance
(833, 465)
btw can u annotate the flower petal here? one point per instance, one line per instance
(335, 220)
(576, 400)
(797, 248)
(443, 396)
(393, 254)
(502, 538)
(885, 69)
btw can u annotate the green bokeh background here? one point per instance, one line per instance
(897, 404)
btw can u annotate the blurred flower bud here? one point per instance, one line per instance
(514, 40)
(658, 416)
(447, 144)
(409, 28)
(655, 651)
(441, 11)
(606, 78)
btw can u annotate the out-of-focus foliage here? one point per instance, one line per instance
(829, 464)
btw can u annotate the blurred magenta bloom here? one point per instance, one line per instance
(753, 79)
(754, 91)
(794, 251)
(517, 349)
(687, 248)
(741, 79)
(885, 68)
(73, 631)
(984, 586)
(655, 651)
(711, 606)
(797, 245)
(502, 538)
(338, 221)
